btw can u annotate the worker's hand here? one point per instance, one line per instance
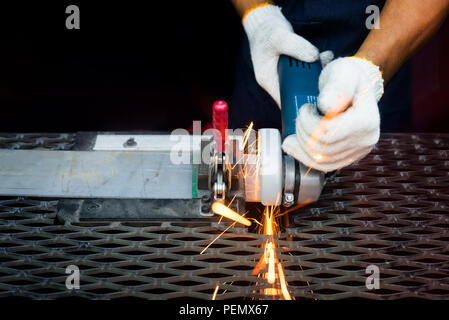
(349, 91)
(270, 35)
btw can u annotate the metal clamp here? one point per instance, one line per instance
(289, 181)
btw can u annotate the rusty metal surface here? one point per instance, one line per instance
(390, 209)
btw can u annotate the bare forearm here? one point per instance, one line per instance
(405, 26)
(244, 5)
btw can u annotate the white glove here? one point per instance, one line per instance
(270, 35)
(349, 91)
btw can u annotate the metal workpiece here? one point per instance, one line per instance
(390, 210)
(98, 174)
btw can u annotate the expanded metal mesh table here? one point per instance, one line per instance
(391, 209)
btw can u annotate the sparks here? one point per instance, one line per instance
(214, 296)
(246, 135)
(221, 209)
(269, 267)
(271, 276)
(283, 282)
(222, 233)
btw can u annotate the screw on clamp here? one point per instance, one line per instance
(205, 208)
(205, 199)
(289, 199)
(93, 206)
(130, 143)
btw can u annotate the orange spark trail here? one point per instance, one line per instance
(215, 292)
(244, 142)
(284, 289)
(221, 209)
(246, 135)
(232, 200)
(230, 226)
(293, 208)
(274, 273)
(271, 276)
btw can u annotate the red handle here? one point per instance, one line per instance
(220, 122)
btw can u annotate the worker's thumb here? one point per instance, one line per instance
(326, 57)
(297, 47)
(338, 84)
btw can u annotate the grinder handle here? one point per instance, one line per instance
(298, 82)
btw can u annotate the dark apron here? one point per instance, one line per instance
(337, 25)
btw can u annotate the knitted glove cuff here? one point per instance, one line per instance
(374, 74)
(261, 14)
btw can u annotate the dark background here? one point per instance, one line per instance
(152, 66)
